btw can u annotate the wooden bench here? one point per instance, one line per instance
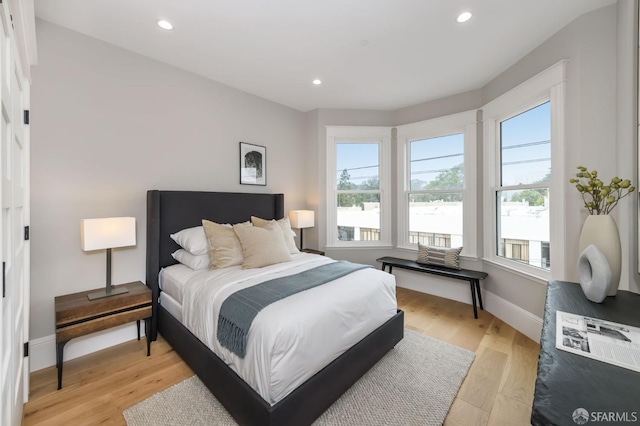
(473, 277)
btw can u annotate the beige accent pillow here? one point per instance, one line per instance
(287, 233)
(224, 246)
(439, 256)
(262, 246)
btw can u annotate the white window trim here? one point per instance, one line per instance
(356, 134)
(464, 122)
(549, 85)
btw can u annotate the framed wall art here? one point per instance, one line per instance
(253, 164)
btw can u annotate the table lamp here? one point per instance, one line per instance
(301, 219)
(108, 233)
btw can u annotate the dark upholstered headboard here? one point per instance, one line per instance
(171, 211)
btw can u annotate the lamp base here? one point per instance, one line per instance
(104, 293)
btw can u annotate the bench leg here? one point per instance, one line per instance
(479, 294)
(473, 298)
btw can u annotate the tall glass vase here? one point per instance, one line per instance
(602, 232)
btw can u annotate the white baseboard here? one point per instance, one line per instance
(523, 321)
(42, 351)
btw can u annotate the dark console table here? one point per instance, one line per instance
(567, 382)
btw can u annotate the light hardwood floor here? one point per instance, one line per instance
(497, 391)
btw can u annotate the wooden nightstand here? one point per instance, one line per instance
(312, 251)
(77, 316)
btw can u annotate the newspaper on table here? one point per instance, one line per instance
(605, 341)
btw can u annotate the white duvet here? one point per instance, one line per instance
(292, 339)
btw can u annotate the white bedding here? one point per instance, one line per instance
(294, 338)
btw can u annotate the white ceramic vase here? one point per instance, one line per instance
(602, 232)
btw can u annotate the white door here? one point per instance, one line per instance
(14, 251)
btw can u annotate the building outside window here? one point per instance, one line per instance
(430, 239)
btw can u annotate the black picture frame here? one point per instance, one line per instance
(253, 164)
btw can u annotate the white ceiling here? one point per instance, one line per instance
(415, 50)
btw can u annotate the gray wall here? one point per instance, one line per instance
(108, 125)
(590, 44)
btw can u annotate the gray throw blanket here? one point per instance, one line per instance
(238, 310)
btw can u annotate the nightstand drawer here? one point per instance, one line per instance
(72, 331)
(76, 307)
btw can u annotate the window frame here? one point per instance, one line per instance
(547, 86)
(359, 134)
(465, 123)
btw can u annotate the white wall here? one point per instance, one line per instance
(108, 125)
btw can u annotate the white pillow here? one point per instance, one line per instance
(192, 240)
(262, 246)
(194, 262)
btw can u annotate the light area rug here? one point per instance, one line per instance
(414, 384)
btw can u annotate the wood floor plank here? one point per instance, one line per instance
(69, 400)
(499, 336)
(471, 331)
(79, 389)
(441, 328)
(483, 380)
(421, 311)
(519, 377)
(522, 340)
(40, 381)
(462, 413)
(508, 412)
(497, 390)
(138, 391)
(405, 298)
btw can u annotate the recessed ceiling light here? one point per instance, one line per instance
(464, 17)
(165, 25)
(317, 82)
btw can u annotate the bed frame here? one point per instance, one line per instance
(171, 211)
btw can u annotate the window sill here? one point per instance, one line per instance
(542, 278)
(360, 247)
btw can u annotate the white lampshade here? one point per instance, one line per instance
(302, 218)
(110, 232)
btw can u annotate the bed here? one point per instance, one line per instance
(170, 211)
